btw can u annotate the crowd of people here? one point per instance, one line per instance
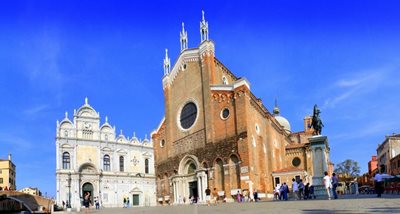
(301, 191)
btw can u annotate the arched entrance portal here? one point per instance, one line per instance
(190, 181)
(87, 187)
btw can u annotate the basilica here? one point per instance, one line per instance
(91, 157)
(217, 134)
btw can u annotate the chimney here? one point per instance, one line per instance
(9, 156)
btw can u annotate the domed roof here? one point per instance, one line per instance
(283, 122)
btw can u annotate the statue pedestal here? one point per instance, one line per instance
(320, 157)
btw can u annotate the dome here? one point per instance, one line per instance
(283, 122)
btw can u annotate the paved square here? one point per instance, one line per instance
(360, 204)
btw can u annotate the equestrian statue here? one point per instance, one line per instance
(316, 122)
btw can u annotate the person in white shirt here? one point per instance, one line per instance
(327, 183)
(378, 184)
(277, 192)
(295, 188)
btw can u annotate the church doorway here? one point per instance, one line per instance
(87, 187)
(190, 182)
(135, 199)
(194, 194)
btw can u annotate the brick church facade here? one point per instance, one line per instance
(216, 133)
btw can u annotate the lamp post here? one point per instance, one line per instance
(69, 191)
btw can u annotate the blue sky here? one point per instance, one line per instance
(341, 55)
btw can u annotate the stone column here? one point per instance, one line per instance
(76, 191)
(178, 189)
(205, 185)
(58, 156)
(199, 189)
(173, 189)
(320, 150)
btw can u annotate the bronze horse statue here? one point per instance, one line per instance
(316, 122)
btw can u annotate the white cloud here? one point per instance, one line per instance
(36, 109)
(357, 85)
(15, 140)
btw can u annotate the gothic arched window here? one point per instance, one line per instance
(146, 166)
(66, 160)
(106, 163)
(121, 163)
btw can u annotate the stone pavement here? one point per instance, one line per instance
(346, 204)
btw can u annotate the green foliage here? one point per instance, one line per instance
(348, 168)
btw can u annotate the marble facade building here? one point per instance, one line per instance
(90, 157)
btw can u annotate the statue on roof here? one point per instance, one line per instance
(316, 122)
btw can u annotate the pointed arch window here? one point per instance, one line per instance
(66, 160)
(146, 166)
(225, 80)
(106, 163)
(121, 163)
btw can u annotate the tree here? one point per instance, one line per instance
(348, 168)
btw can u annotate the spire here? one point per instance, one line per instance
(167, 63)
(66, 115)
(183, 38)
(276, 108)
(203, 28)
(106, 119)
(86, 101)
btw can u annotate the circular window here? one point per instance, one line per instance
(225, 113)
(257, 129)
(162, 143)
(296, 162)
(188, 115)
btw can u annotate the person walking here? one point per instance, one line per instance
(277, 192)
(87, 202)
(378, 184)
(328, 185)
(215, 195)
(301, 189)
(295, 189)
(208, 192)
(97, 203)
(335, 182)
(285, 191)
(255, 195)
(244, 195)
(307, 191)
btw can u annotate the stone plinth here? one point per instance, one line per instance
(320, 157)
